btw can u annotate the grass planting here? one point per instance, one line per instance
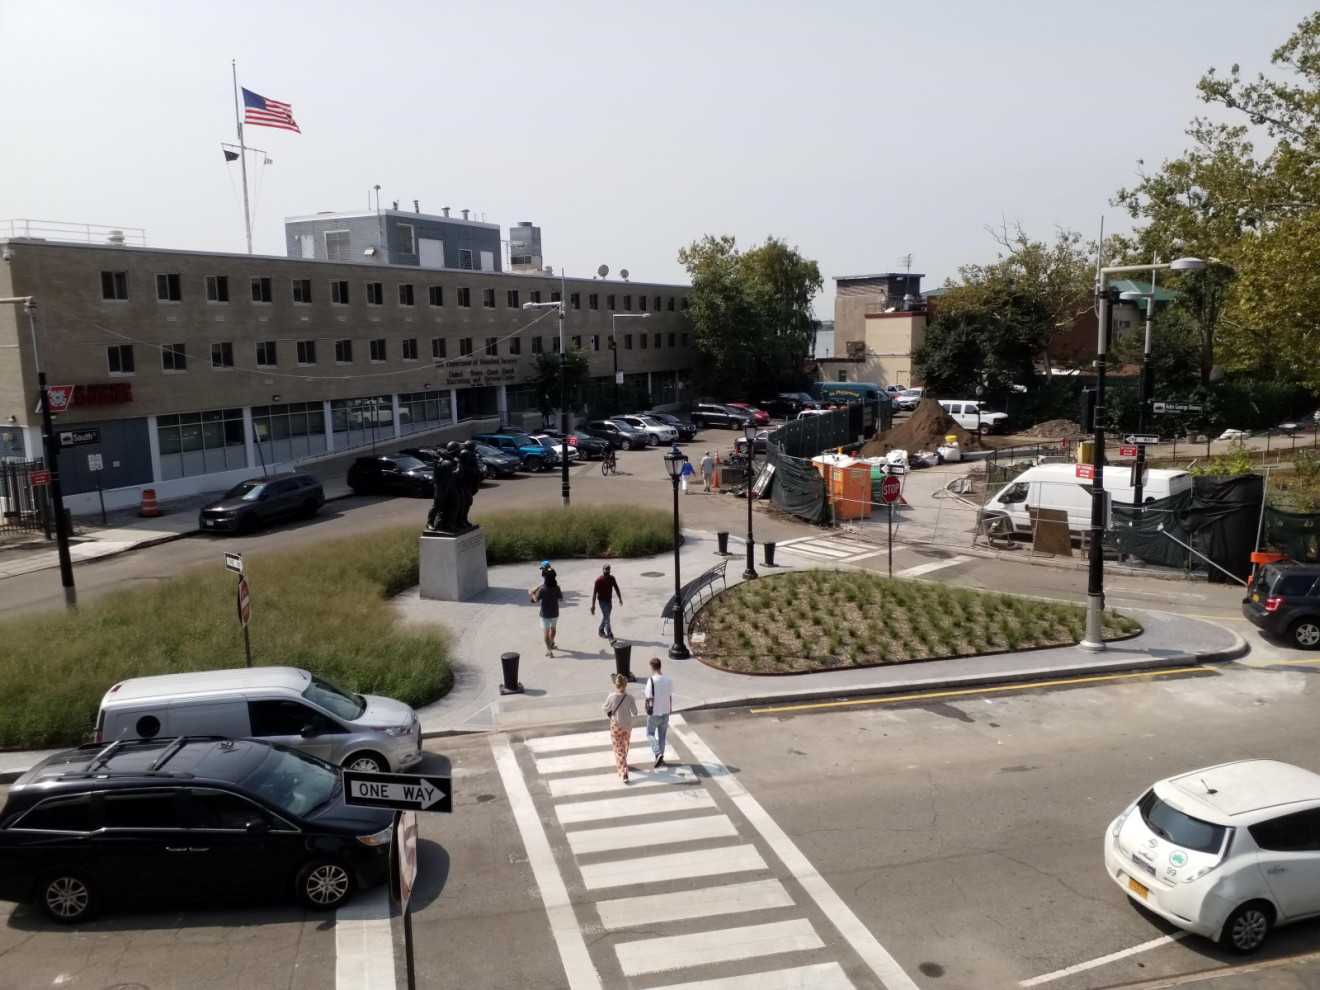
(827, 620)
(555, 533)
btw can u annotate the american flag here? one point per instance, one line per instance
(267, 113)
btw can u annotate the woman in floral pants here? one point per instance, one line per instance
(621, 708)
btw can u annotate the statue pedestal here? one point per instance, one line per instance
(453, 567)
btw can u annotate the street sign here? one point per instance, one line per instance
(1086, 472)
(60, 397)
(1176, 407)
(1140, 438)
(1127, 451)
(891, 488)
(400, 791)
(405, 855)
(244, 602)
(234, 561)
(39, 477)
(94, 462)
(75, 438)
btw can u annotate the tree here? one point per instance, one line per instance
(988, 340)
(545, 381)
(751, 312)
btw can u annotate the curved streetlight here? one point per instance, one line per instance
(674, 461)
(614, 346)
(563, 394)
(750, 431)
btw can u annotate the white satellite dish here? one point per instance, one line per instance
(603, 270)
(623, 274)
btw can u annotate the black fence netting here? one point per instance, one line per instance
(794, 483)
(1154, 534)
(1293, 533)
(807, 437)
(1225, 509)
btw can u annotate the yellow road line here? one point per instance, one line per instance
(989, 688)
(1279, 663)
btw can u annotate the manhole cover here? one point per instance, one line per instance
(653, 573)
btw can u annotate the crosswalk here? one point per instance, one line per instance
(679, 874)
(834, 549)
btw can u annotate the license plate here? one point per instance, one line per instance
(208, 522)
(1255, 598)
(1137, 888)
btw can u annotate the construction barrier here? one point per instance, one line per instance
(149, 503)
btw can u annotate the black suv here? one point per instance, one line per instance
(258, 501)
(397, 475)
(197, 817)
(706, 414)
(686, 431)
(617, 435)
(1284, 599)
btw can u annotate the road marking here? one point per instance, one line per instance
(672, 866)
(826, 976)
(1059, 974)
(1274, 663)
(598, 758)
(987, 689)
(580, 740)
(651, 834)
(667, 802)
(572, 947)
(840, 915)
(630, 912)
(364, 944)
(934, 565)
(654, 955)
(596, 783)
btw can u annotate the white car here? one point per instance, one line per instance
(656, 431)
(909, 398)
(553, 444)
(1227, 852)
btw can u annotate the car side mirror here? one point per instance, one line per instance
(257, 826)
(308, 732)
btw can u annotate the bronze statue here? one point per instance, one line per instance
(444, 514)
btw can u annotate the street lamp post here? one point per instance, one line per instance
(1093, 639)
(563, 396)
(674, 461)
(614, 346)
(749, 431)
(1145, 384)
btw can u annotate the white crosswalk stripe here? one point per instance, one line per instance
(596, 840)
(828, 976)
(831, 548)
(596, 783)
(608, 809)
(601, 758)
(673, 866)
(653, 955)
(654, 909)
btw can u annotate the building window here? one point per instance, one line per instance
(595, 342)
(641, 339)
(302, 291)
(266, 354)
(659, 304)
(686, 303)
(465, 259)
(114, 285)
(201, 442)
(336, 245)
(405, 294)
(464, 298)
(375, 294)
(339, 292)
(593, 301)
(555, 297)
(627, 342)
(492, 345)
(627, 304)
(671, 339)
(464, 346)
(438, 348)
(436, 294)
(261, 290)
(534, 296)
(307, 352)
(577, 342)
(538, 345)
(575, 300)
(377, 350)
(511, 299)
(343, 352)
(405, 236)
(685, 340)
(657, 341)
(488, 298)
(515, 346)
(217, 288)
(409, 347)
(173, 357)
(609, 302)
(554, 343)
(168, 288)
(222, 356)
(120, 359)
(671, 304)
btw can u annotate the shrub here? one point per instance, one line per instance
(579, 531)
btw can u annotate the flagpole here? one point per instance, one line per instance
(242, 154)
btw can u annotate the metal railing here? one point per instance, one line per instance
(91, 233)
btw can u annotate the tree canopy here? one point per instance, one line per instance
(545, 381)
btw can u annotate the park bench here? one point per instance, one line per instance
(693, 594)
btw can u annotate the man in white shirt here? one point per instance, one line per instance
(659, 703)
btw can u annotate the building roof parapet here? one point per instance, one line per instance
(368, 214)
(73, 233)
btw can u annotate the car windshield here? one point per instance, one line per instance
(408, 463)
(649, 421)
(1180, 829)
(334, 700)
(550, 442)
(294, 782)
(485, 450)
(248, 491)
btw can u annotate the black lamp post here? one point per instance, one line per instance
(749, 431)
(564, 429)
(674, 461)
(614, 346)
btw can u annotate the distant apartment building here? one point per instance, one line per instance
(879, 320)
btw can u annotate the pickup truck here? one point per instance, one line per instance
(534, 457)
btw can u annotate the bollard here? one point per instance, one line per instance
(509, 661)
(623, 660)
(723, 538)
(149, 503)
(715, 475)
(769, 554)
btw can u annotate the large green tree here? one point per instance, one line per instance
(986, 339)
(751, 313)
(545, 380)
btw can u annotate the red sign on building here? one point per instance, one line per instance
(39, 478)
(60, 397)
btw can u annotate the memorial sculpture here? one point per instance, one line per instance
(452, 551)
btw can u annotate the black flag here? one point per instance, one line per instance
(231, 156)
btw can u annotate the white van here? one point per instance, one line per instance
(284, 705)
(974, 417)
(1056, 486)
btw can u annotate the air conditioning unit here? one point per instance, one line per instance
(856, 349)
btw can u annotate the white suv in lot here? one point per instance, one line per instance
(1227, 852)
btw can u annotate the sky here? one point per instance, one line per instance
(857, 132)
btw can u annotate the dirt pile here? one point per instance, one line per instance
(1054, 428)
(925, 429)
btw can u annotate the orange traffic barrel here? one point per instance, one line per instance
(149, 503)
(715, 480)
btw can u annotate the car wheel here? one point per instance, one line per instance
(652, 440)
(323, 884)
(1305, 633)
(1245, 930)
(310, 508)
(625, 444)
(67, 898)
(983, 429)
(535, 464)
(368, 762)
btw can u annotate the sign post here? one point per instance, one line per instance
(890, 490)
(403, 858)
(234, 562)
(94, 464)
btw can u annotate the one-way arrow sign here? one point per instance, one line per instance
(401, 791)
(1141, 438)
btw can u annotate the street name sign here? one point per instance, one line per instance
(400, 791)
(1140, 438)
(1176, 407)
(74, 438)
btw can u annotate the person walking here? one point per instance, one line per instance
(659, 704)
(548, 595)
(603, 592)
(687, 472)
(707, 470)
(620, 707)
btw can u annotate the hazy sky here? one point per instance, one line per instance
(858, 132)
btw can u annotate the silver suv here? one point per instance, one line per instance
(656, 431)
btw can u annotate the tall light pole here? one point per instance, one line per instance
(749, 431)
(1145, 384)
(563, 394)
(1093, 639)
(614, 346)
(674, 461)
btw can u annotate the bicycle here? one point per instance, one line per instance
(608, 464)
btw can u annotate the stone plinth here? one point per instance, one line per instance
(453, 567)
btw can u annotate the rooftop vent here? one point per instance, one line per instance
(115, 237)
(465, 214)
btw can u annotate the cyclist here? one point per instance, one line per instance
(608, 465)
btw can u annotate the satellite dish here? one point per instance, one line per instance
(603, 270)
(623, 274)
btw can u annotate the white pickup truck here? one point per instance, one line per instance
(974, 417)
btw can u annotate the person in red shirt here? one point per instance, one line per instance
(603, 591)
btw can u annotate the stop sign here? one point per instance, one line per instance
(244, 601)
(891, 488)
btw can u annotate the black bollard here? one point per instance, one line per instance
(623, 660)
(509, 661)
(769, 553)
(723, 539)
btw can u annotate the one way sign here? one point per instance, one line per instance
(401, 791)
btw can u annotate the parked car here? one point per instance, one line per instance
(284, 705)
(203, 819)
(759, 416)
(758, 443)
(618, 435)
(530, 454)
(656, 431)
(909, 398)
(706, 414)
(1284, 599)
(591, 448)
(554, 445)
(1227, 852)
(789, 404)
(974, 416)
(686, 431)
(496, 463)
(398, 474)
(259, 501)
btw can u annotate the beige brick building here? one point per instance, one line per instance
(878, 321)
